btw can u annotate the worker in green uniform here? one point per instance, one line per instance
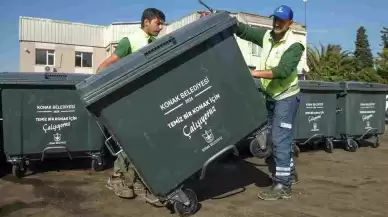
(280, 56)
(124, 182)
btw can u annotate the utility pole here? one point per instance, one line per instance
(305, 13)
(304, 72)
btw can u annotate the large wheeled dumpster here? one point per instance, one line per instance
(177, 104)
(42, 117)
(361, 112)
(316, 117)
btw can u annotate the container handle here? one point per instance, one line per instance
(160, 45)
(108, 144)
(110, 148)
(55, 76)
(338, 110)
(206, 164)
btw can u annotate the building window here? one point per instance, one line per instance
(44, 57)
(83, 59)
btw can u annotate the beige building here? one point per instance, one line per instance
(59, 46)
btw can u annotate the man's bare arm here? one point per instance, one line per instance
(266, 74)
(112, 59)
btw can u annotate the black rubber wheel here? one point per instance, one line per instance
(189, 210)
(351, 145)
(17, 171)
(96, 166)
(295, 150)
(258, 151)
(376, 142)
(329, 145)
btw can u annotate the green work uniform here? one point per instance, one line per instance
(282, 58)
(125, 47)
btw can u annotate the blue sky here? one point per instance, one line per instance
(328, 21)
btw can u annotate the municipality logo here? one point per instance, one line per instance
(57, 137)
(368, 125)
(315, 126)
(208, 136)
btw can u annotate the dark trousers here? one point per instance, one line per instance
(281, 119)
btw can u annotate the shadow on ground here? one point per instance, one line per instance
(229, 176)
(4, 167)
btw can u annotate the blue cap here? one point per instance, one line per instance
(283, 12)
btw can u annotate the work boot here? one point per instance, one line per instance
(276, 192)
(142, 191)
(138, 186)
(118, 186)
(294, 179)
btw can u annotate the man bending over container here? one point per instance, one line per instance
(280, 55)
(152, 22)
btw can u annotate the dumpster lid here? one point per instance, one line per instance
(152, 56)
(41, 78)
(364, 86)
(319, 85)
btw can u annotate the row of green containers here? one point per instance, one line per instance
(347, 112)
(42, 117)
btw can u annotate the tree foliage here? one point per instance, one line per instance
(382, 59)
(382, 64)
(332, 63)
(384, 37)
(329, 63)
(363, 53)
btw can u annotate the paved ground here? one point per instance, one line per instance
(339, 184)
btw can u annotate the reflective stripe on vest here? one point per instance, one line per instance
(278, 89)
(138, 39)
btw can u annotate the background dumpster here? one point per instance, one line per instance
(361, 112)
(177, 104)
(42, 116)
(316, 117)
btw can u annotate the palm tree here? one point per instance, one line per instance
(382, 64)
(329, 63)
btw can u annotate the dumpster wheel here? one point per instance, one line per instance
(351, 145)
(189, 210)
(329, 145)
(97, 165)
(376, 142)
(258, 151)
(18, 170)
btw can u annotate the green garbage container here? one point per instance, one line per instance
(316, 116)
(361, 113)
(42, 117)
(177, 104)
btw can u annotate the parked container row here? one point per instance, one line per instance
(42, 116)
(347, 112)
